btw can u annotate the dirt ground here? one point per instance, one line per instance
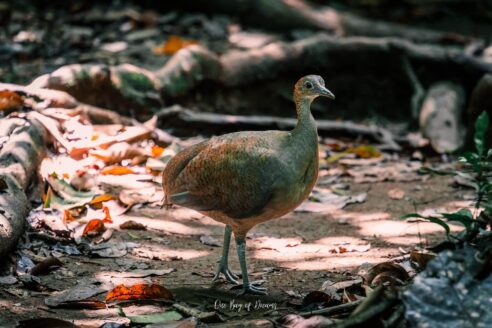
(290, 256)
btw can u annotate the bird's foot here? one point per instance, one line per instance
(228, 274)
(252, 289)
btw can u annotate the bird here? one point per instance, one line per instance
(245, 178)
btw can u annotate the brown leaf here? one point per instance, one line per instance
(390, 269)
(173, 44)
(67, 216)
(117, 152)
(139, 292)
(10, 100)
(396, 193)
(132, 225)
(117, 170)
(93, 228)
(46, 266)
(422, 257)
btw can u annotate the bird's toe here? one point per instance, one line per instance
(251, 289)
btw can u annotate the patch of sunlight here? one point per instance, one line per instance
(407, 240)
(364, 217)
(162, 225)
(331, 263)
(160, 252)
(390, 228)
(340, 240)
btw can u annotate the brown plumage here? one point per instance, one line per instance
(245, 178)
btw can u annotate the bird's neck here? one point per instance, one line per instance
(306, 125)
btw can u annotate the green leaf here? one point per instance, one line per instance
(481, 126)
(152, 318)
(464, 216)
(430, 170)
(470, 158)
(432, 219)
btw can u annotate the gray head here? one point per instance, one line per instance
(311, 86)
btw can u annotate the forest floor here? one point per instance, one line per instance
(291, 256)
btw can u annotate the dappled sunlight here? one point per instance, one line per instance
(334, 262)
(161, 252)
(340, 240)
(164, 225)
(363, 217)
(389, 228)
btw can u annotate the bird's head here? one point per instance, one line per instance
(312, 86)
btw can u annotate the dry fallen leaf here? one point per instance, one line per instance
(422, 257)
(117, 152)
(46, 266)
(10, 100)
(396, 193)
(139, 292)
(93, 228)
(132, 225)
(117, 170)
(173, 44)
(387, 272)
(364, 151)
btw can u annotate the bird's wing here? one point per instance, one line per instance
(234, 175)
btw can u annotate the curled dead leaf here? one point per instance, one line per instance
(132, 225)
(93, 228)
(319, 297)
(393, 270)
(422, 257)
(46, 266)
(139, 292)
(117, 170)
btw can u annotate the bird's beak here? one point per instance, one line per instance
(326, 93)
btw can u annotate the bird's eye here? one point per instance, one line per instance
(308, 85)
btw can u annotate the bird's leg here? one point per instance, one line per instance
(223, 265)
(247, 286)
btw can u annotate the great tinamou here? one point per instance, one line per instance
(245, 178)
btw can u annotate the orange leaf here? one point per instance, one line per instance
(101, 199)
(139, 292)
(107, 215)
(364, 151)
(10, 100)
(157, 151)
(116, 170)
(93, 227)
(67, 216)
(172, 45)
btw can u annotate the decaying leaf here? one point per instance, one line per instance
(76, 293)
(384, 272)
(46, 266)
(422, 257)
(132, 225)
(154, 318)
(172, 45)
(396, 193)
(93, 228)
(139, 292)
(117, 152)
(10, 100)
(117, 170)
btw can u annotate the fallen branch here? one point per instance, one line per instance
(180, 118)
(20, 156)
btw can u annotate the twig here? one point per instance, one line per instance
(333, 310)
